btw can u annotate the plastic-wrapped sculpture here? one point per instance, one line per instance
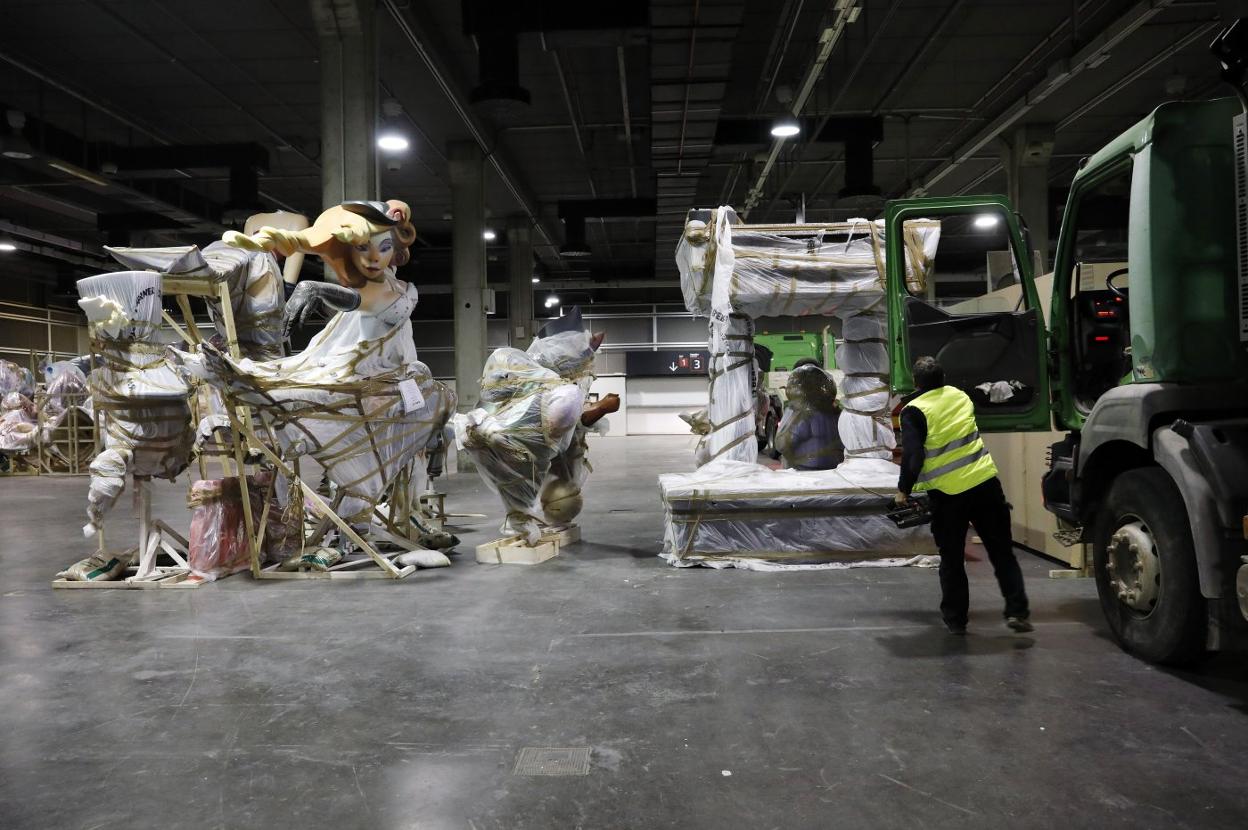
(733, 509)
(253, 279)
(807, 436)
(147, 420)
(18, 422)
(356, 400)
(528, 436)
(27, 418)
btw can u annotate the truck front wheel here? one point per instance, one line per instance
(1146, 569)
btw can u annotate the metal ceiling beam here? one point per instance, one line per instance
(831, 35)
(416, 35)
(1059, 74)
(101, 105)
(1195, 35)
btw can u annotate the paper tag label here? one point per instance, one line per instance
(412, 399)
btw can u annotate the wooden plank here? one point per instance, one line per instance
(368, 574)
(513, 551)
(567, 536)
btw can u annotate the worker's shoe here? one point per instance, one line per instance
(1019, 625)
(958, 629)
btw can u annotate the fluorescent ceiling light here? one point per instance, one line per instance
(537, 279)
(78, 172)
(786, 128)
(551, 301)
(986, 220)
(7, 247)
(488, 235)
(392, 142)
(20, 155)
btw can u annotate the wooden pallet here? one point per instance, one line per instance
(512, 550)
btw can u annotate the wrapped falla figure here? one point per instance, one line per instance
(336, 399)
(528, 436)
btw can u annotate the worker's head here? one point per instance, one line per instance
(928, 374)
(806, 361)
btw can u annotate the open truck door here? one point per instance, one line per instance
(975, 308)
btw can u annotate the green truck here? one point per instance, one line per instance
(1143, 366)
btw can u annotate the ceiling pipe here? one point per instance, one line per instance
(1059, 74)
(575, 245)
(628, 127)
(414, 33)
(1195, 35)
(844, 14)
(109, 110)
(173, 59)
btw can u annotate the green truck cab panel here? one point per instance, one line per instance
(974, 348)
(788, 348)
(1181, 254)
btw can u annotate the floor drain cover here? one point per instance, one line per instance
(553, 760)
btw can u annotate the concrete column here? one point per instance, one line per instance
(348, 100)
(1025, 154)
(468, 267)
(520, 269)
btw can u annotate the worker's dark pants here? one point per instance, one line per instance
(983, 506)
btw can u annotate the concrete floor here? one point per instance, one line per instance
(718, 699)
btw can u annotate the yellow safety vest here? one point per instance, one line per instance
(955, 458)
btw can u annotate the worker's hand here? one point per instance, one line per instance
(900, 498)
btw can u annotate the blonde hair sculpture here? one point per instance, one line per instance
(334, 233)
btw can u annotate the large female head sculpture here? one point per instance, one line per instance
(358, 240)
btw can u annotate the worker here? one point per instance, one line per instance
(943, 455)
(809, 436)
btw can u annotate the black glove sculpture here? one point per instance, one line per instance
(308, 298)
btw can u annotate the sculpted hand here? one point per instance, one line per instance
(311, 296)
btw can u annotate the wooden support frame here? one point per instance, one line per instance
(244, 434)
(156, 538)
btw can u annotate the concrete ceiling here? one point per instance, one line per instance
(939, 73)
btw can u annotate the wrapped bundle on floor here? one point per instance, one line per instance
(735, 273)
(218, 540)
(728, 511)
(146, 416)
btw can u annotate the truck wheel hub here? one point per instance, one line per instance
(1134, 569)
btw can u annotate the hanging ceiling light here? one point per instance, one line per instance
(392, 142)
(986, 220)
(488, 235)
(6, 246)
(552, 301)
(537, 279)
(786, 128)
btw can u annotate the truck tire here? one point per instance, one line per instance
(1146, 569)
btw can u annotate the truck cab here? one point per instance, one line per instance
(1145, 365)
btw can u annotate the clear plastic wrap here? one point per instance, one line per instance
(528, 416)
(14, 378)
(254, 279)
(732, 400)
(808, 436)
(732, 510)
(147, 428)
(568, 354)
(19, 428)
(356, 399)
(218, 537)
(835, 269)
(66, 388)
